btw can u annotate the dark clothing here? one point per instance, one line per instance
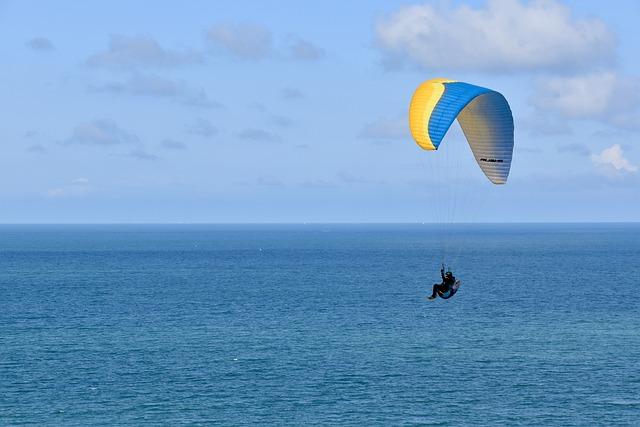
(447, 283)
(447, 280)
(439, 287)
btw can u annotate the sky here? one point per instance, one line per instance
(288, 111)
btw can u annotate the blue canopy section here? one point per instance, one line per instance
(456, 96)
(486, 120)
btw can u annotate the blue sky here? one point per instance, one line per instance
(295, 112)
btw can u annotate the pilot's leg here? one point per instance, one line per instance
(434, 294)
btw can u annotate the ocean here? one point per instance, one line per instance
(319, 325)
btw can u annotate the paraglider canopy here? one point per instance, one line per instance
(484, 116)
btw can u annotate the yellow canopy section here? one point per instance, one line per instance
(423, 102)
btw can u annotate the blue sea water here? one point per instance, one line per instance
(318, 325)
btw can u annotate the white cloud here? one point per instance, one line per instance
(612, 159)
(604, 96)
(505, 35)
(140, 51)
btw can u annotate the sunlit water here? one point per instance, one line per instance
(318, 325)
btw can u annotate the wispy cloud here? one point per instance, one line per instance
(258, 106)
(281, 121)
(502, 36)
(171, 144)
(247, 42)
(253, 134)
(262, 181)
(269, 181)
(101, 132)
(252, 42)
(203, 128)
(528, 150)
(200, 99)
(80, 181)
(145, 85)
(319, 184)
(544, 124)
(612, 159)
(159, 87)
(291, 93)
(574, 148)
(141, 154)
(140, 51)
(349, 178)
(36, 148)
(303, 50)
(385, 129)
(40, 44)
(76, 188)
(56, 192)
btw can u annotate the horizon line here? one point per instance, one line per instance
(325, 223)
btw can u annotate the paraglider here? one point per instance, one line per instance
(447, 288)
(486, 121)
(484, 116)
